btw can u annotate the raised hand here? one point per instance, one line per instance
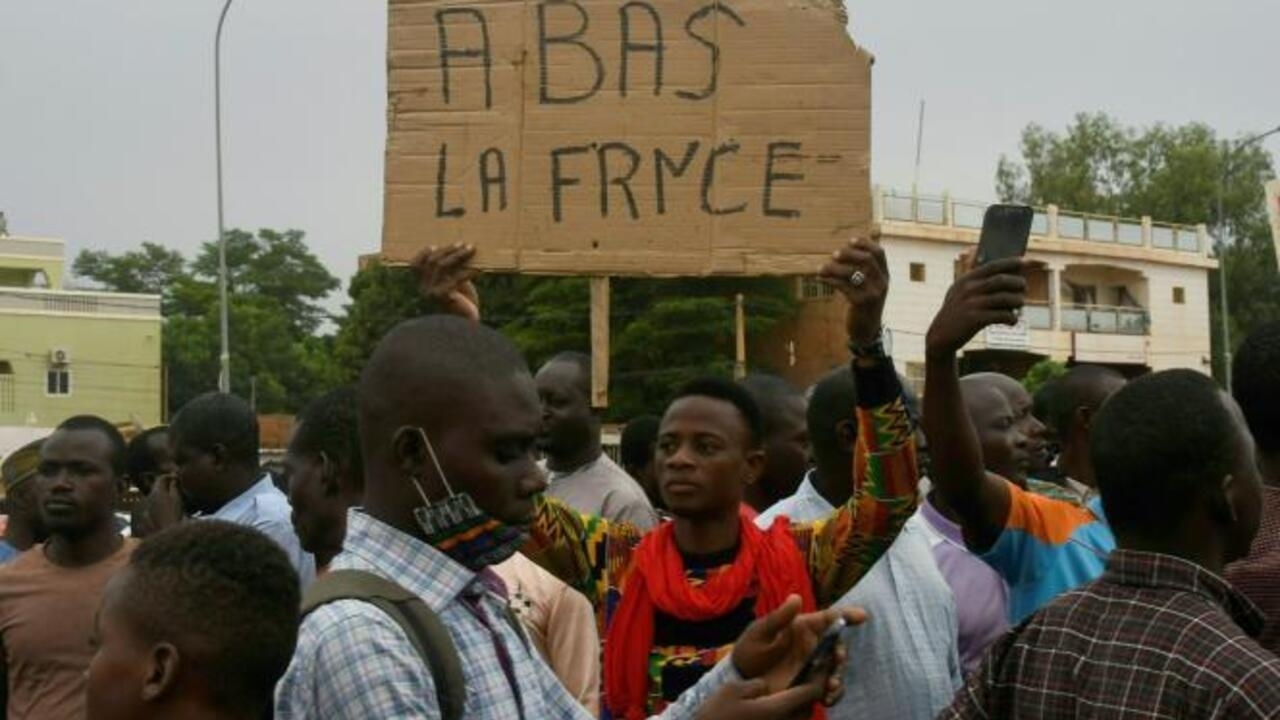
(445, 278)
(861, 273)
(990, 294)
(164, 506)
(775, 647)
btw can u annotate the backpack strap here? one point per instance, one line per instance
(422, 626)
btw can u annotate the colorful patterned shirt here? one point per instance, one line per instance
(1047, 548)
(595, 555)
(1156, 637)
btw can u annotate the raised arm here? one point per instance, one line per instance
(987, 295)
(841, 548)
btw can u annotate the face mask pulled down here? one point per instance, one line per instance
(457, 527)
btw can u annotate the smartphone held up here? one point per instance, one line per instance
(1005, 232)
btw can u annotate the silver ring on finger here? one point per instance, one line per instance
(857, 278)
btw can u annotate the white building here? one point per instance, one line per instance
(1132, 294)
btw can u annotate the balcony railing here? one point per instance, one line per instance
(65, 302)
(1049, 222)
(1106, 320)
(1039, 316)
(31, 247)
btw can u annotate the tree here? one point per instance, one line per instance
(1172, 174)
(152, 270)
(1043, 373)
(275, 286)
(663, 332)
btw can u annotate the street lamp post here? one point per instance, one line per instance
(224, 358)
(1231, 149)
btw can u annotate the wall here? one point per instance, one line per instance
(115, 367)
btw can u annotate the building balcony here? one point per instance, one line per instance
(1049, 223)
(1104, 320)
(33, 301)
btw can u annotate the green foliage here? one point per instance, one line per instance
(663, 332)
(274, 290)
(1172, 174)
(152, 269)
(1042, 373)
(381, 297)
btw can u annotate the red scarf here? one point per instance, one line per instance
(658, 582)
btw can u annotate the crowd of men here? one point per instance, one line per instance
(449, 539)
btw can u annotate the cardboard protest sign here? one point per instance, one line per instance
(662, 137)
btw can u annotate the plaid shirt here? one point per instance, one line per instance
(1155, 637)
(353, 661)
(1257, 577)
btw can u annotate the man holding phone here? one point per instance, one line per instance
(1041, 546)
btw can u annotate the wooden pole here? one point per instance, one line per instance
(600, 342)
(740, 332)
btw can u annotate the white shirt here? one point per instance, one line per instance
(265, 509)
(904, 659)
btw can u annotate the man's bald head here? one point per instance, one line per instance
(984, 393)
(423, 370)
(1011, 438)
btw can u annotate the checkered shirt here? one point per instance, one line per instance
(353, 661)
(1155, 637)
(1257, 577)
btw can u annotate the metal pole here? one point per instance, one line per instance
(1225, 324)
(224, 358)
(1229, 157)
(915, 177)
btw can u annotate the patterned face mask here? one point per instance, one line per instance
(457, 527)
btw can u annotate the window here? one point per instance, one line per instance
(1179, 296)
(917, 272)
(811, 288)
(8, 399)
(58, 381)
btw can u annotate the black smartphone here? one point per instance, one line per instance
(1005, 231)
(823, 654)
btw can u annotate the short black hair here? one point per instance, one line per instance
(112, 433)
(227, 597)
(1042, 404)
(1256, 385)
(638, 438)
(770, 393)
(579, 360)
(834, 399)
(431, 360)
(732, 393)
(138, 460)
(219, 419)
(1157, 444)
(1079, 387)
(330, 425)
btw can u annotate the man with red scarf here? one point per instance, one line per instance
(672, 601)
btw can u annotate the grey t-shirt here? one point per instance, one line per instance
(602, 488)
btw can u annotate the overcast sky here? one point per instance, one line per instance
(106, 109)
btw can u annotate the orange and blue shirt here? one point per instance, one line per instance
(1048, 547)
